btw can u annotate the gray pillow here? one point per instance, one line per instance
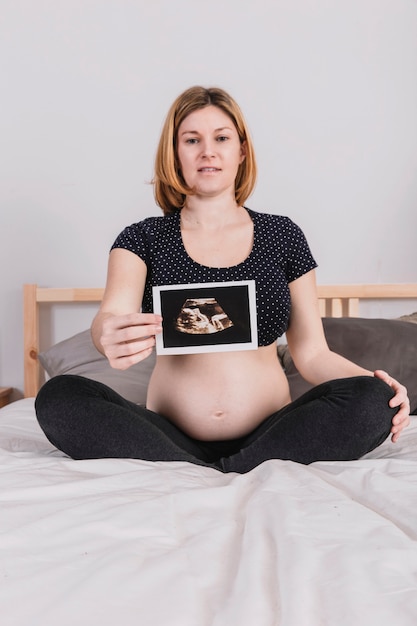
(390, 345)
(78, 355)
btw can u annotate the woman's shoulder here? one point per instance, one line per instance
(141, 235)
(278, 231)
(152, 224)
(157, 221)
(271, 219)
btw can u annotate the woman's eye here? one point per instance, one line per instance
(222, 138)
(192, 140)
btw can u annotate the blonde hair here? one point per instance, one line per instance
(170, 189)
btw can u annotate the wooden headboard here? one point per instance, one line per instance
(334, 301)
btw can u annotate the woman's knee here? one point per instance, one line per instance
(62, 407)
(375, 414)
(364, 402)
(58, 397)
(58, 389)
(375, 393)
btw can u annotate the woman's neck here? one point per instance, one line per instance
(210, 213)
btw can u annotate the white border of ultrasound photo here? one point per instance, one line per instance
(248, 342)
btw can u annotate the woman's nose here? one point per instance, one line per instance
(208, 148)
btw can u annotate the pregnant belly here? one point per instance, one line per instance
(214, 397)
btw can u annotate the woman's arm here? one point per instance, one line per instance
(306, 339)
(123, 334)
(311, 354)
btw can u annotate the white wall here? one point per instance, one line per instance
(328, 87)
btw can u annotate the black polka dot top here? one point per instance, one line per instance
(279, 255)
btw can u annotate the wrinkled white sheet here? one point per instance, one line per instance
(106, 542)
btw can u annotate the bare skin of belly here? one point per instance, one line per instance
(218, 396)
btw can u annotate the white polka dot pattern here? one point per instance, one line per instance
(279, 255)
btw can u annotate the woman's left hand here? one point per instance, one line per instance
(400, 399)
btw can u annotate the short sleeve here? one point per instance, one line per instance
(136, 239)
(299, 259)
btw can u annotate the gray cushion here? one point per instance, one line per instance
(390, 345)
(78, 355)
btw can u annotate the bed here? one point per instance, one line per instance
(119, 541)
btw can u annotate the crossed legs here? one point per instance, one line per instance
(342, 419)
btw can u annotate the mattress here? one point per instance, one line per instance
(110, 541)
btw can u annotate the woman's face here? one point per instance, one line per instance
(209, 152)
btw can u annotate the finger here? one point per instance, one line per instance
(131, 347)
(399, 423)
(397, 400)
(137, 333)
(138, 319)
(125, 362)
(118, 335)
(401, 419)
(382, 374)
(400, 399)
(130, 356)
(114, 323)
(400, 396)
(396, 432)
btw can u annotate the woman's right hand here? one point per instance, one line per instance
(128, 339)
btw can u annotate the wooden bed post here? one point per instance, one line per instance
(32, 297)
(30, 340)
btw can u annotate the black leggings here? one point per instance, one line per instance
(339, 420)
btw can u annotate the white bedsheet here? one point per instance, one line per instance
(126, 542)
